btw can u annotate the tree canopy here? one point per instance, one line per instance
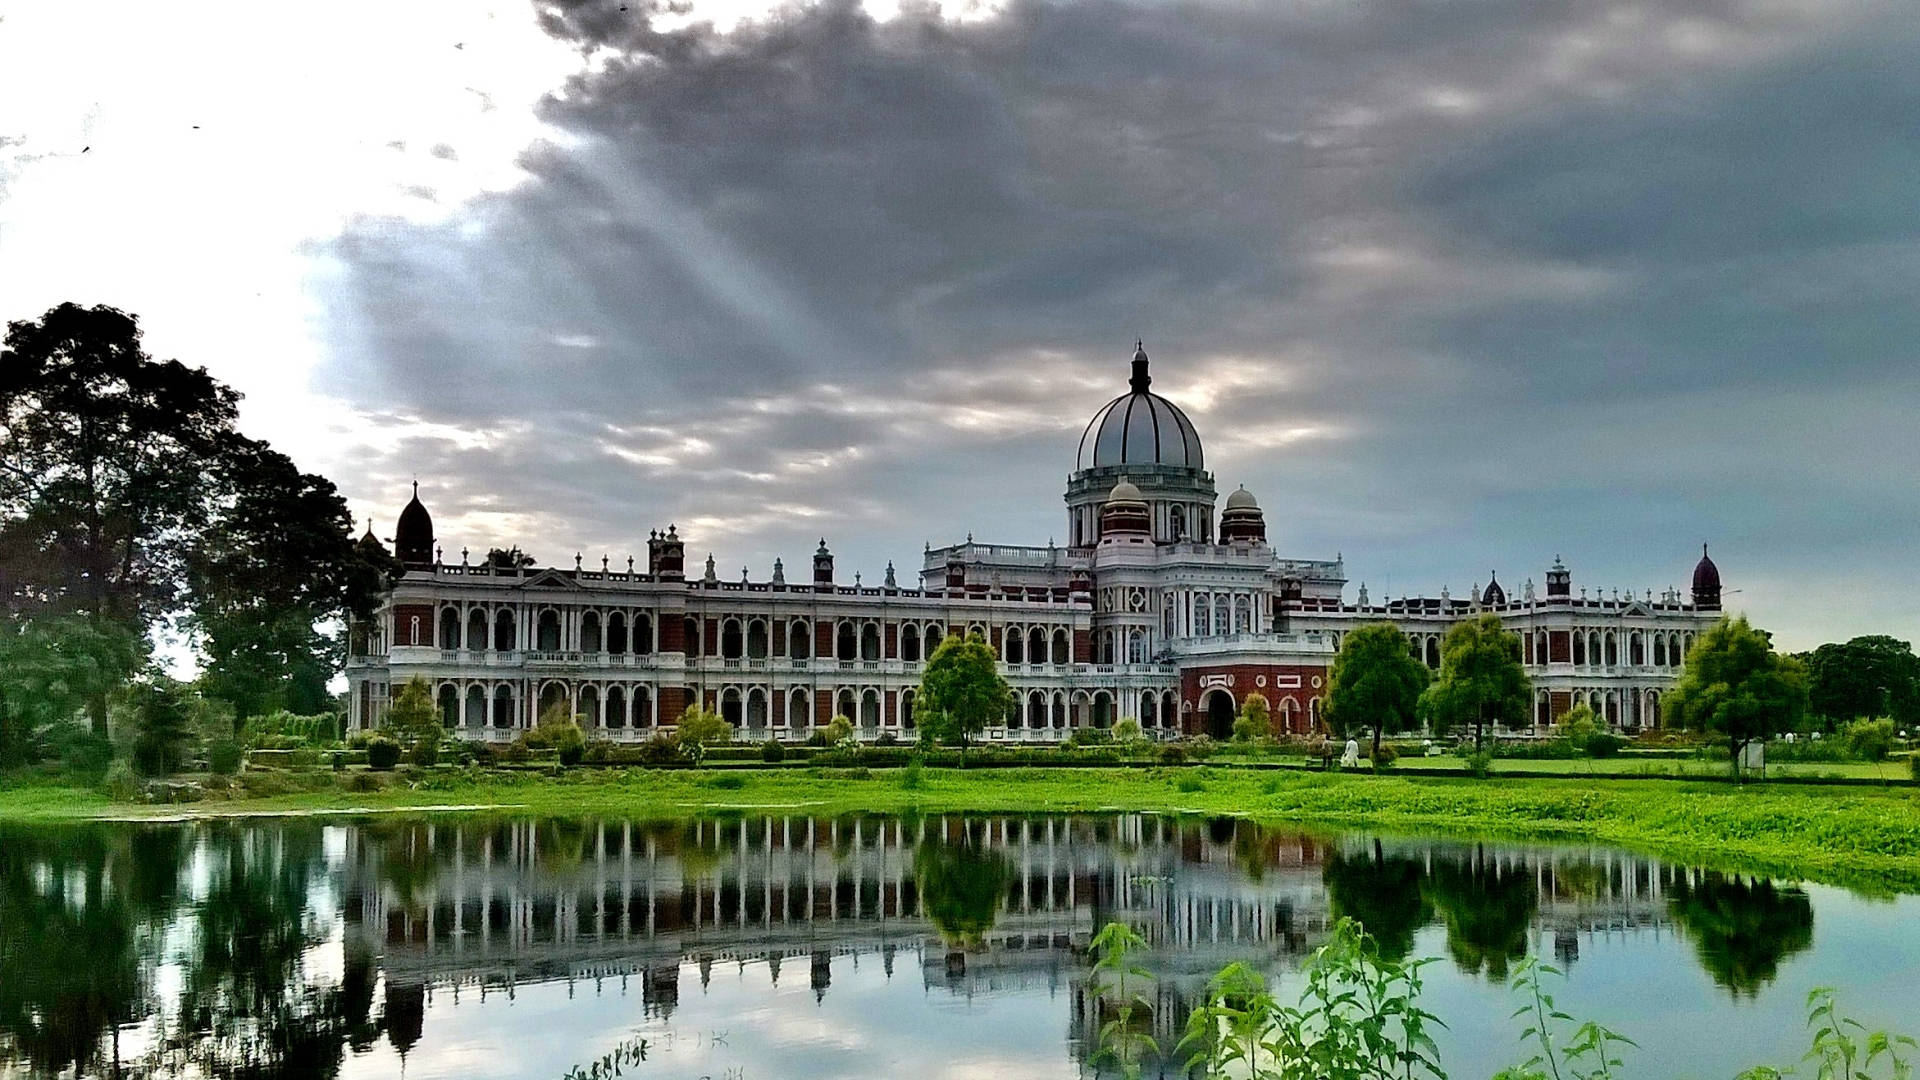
(961, 690)
(1481, 679)
(128, 498)
(1375, 683)
(1869, 676)
(1736, 685)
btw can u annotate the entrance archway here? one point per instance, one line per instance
(1219, 712)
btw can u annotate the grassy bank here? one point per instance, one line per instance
(1864, 837)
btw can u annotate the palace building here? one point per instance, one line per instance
(1167, 607)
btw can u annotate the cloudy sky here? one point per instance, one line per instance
(1450, 285)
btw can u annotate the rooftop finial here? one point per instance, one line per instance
(1140, 380)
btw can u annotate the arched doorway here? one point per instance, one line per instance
(1219, 712)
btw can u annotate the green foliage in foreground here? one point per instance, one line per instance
(1359, 1017)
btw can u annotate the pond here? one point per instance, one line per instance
(797, 948)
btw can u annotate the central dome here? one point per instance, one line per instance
(1140, 428)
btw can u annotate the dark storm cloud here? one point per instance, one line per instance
(1448, 285)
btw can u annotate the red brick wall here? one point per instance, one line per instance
(1559, 702)
(673, 700)
(403, 617)
(1559, 647)
(673, 638)
(1083, 646)
(1280, 681)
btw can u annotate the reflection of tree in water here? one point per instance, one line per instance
(1384, 892)
(1487, 909)
(961, 884)
(86, 915)
(1742, 927)
(79, 913)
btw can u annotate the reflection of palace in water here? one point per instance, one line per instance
(485, 906)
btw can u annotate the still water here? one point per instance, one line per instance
(796, 948)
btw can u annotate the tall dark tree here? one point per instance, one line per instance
(106, 458)
(1481, 680)
(50, 668)
(276, 558)
(1736, 685)
(1867, 677)
(1375, 684)
(1385, 893)
(961, 884)
(1487, 908)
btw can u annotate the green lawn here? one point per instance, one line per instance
(1867, 837)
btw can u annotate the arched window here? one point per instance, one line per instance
(617, 634)
(1137, 647)
(870, 641)
(1168, 612)
(1177, 523)
(449, 628)
(906, 709)
(449, 705)
(732, 642)
(643, 634)
(476, 629)
(846, 642)
(690, 633)
(869, 708)
(799, 709)
(1636, 653)
(1062, 648)
(1613, 650)
(1659, 650)
(1242, 615)
(910, 642)
(844, 705)
(730, 705)
(1433, 652)
(1579, 648)
(934, 635)
(1036, 646)
(1202, 624)
(590, 707)
(548, 639)
(757, 646)
(1059, 710)
(800, 639)
(616, 716)
(503, 632)
(476, 706)
(502, 707)
(757, 710)
(590, 632)
(1147, 718)
(1222, 615)
(1014, 650)
(642, 707)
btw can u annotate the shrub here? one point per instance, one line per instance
(1247, 728)
(1173, 754)
(911, 777)
(572, 751)
(120, 783)
(601, 751)
(1385, 757)
(838, 730)
(1480, 764)
(483, 753)
(1127, 731)
(382, 753)
(77, 748)
(700, 729)
(772, 752)
(819, 738)
(661, 750)
(224, 756)
(887, 738)
(363, 781)
(1869, 740)
(1189, 782)
(304, 758)
(1604, 744)
(1201, 747)
(1090, 736)
(425, 752)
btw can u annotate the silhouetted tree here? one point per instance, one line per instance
(1865, 677)
(1487, 910)
(961, 885)
(1384, 893)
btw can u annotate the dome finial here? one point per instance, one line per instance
(1140, 380)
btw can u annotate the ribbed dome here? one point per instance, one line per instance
(413, 536)
(1240, 500)
(1125, 491)
(1706, 576)
(1140, 428)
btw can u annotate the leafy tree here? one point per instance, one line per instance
(1255, 720)
(700, 728)
(164, 725)
(961, 690)
(413, 718)
(276, 558)
(1867, 676)
(508, 558)
(50, 669)
(1736, 685)
(1375, 683)
(1741, 927)
(840, 729)
(1481, 679)
(105, 470)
